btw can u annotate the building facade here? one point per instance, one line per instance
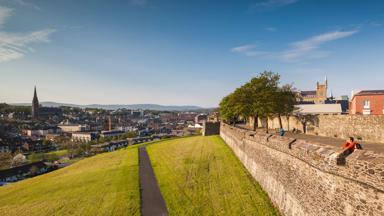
(201, 118)
(42, 132)
(113, 133)
(367, 102)
(73, 127)
(84, 136)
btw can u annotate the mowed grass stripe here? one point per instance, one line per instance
(202, 176)
(105, 184)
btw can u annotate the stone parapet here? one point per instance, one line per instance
(306, 178)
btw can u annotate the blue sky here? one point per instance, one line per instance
(184, 52)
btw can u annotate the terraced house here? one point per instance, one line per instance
(368, 102)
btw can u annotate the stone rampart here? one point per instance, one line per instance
(305, 178)
(211, 128)
(369, 128)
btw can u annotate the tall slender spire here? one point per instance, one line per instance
(35, 105)
(35, 94)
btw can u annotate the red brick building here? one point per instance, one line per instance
(367, 102)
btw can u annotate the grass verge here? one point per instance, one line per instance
(202, 176)
(106, 184)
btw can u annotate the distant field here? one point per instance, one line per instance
(201, 176)
(106, 184)
(59, 153)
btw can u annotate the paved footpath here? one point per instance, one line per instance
(337, 142)
(152, 202)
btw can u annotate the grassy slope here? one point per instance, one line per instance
(106, 184)
(202, 176)
(59, 153)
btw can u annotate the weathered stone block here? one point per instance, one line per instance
(306, 178)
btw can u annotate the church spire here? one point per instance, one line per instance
(35, 105)
(35, 94)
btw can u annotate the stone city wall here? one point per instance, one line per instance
(305, 178)
(211, 128)
(369, 128)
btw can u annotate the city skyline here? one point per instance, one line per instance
(183, 53)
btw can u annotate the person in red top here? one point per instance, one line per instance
(350, 145)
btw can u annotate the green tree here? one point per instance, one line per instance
(52, 157)
(34, 157)
(263, 90)
(261, 97)
(5, 160)
(285, 101)
(227, 109)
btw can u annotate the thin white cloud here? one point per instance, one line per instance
(301, 48)
(271, 4)
(22, 39)
(26, 3)
(305, 49)
(4, 14)
(248, 50)
(243, 48)
(16, 45)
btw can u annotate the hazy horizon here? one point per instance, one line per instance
(58, 102)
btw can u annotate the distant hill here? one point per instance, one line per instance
(120, 106)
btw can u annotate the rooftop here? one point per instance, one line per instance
(319, 108)
(370, 92)
(307, 93)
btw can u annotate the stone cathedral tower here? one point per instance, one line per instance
(321, 92)
(35, 106)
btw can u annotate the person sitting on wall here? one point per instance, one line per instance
(350, 145)
(282, 132)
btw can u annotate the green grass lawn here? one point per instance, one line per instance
(202, 176)
(106, 184)
(197, 176)
(59, 153)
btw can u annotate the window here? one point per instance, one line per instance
(367, 104)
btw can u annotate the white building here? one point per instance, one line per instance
(83, 136)
(42, 132)
(73, 127)
(318, 109)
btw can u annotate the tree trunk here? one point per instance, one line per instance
(267, 125)
(287, 122)
(255, 122)
(280, 123)
(304, 127)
